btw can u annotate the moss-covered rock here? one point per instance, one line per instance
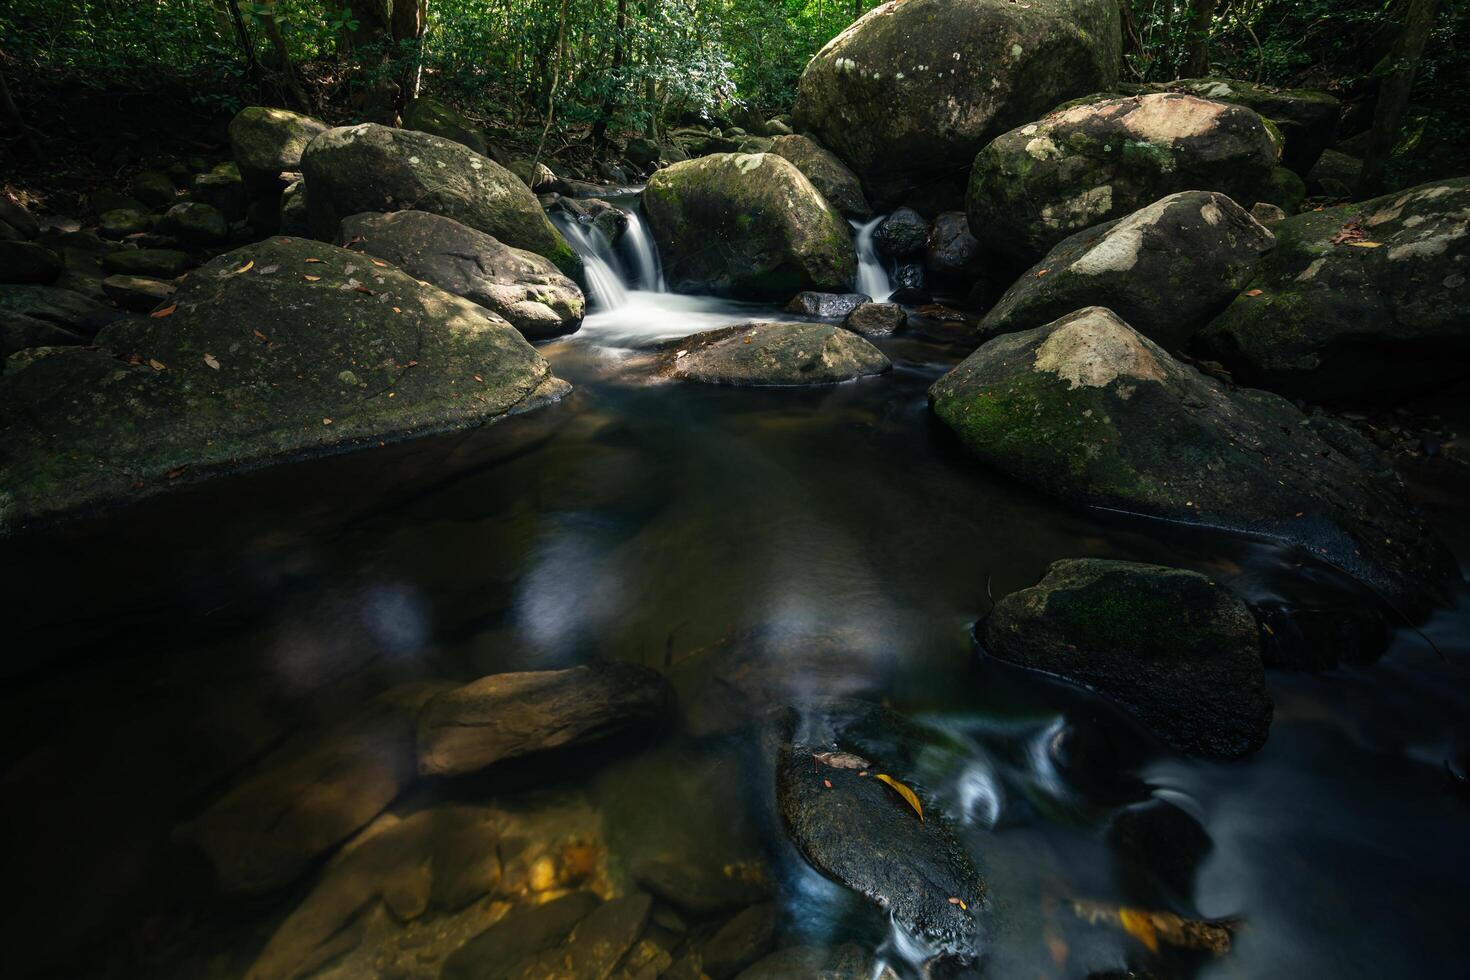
(153, 188)
(221, 188)
(521, 286)
(1335, 174)
(194, 224)
(1175, 648)
(766, 353)
(747, 225)
(163, 263)
(828, 174)
(1089, 163)
(910, 92)
(1093, 412)
(292, 216)
(353, 169)
(141, 294)
(1360, 302)
(267, 142)
(122, 222)
(265, 357)
(432, 116)
(1166, 269)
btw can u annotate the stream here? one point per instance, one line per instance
(158, 652)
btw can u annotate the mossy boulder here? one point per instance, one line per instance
(153, 188)
(122, 222)
(1092, 162)
(265, 357)
(163, 263)
(1089, 410)
(767, 353)
(1166, 269)
(828, 174)
(1358, 303)
(910, 92)
(432, 116)
(353, 169)
(267, 142)
(142, 294)
(194, 224)
(526, 289)
(221, 188)
(747, 225)
(1179, 651)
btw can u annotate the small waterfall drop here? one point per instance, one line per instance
(872, 277)
(639, 245)
(604, 283)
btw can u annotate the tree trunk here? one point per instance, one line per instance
(1393, 93)
(246, 48)
(610, 104)
(1166, 44)
(283, 57)
(561, 43)
(1198, 60)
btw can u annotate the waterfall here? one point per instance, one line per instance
(639, 244)
(872, 277)
(604, 285)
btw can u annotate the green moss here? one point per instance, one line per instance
(1117, 616)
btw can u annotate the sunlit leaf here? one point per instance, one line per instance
(908, 795)
(244, 268)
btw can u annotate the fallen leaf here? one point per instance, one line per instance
(326, 421)
(827, 783)
(166, 311)
(312, 278)
(363, 289)
(841, 760)
(479, 379)
(311, 260)
(1138, 925)
(397, 310)
(908, 795)
(261, 335)
(244, 268)
(156, 365)
(176, 472)
(1151, 928)
(380, 263)
(1350, 233)
(1041, 272)
(1367, 245)
(209, 360)
(1253, 292)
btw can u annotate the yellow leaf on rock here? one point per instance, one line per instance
(244, 268)
(1140, 926)
(1366, 244)
(908, 795)
(210, 361)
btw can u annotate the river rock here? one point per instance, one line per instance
(740, 941)
(1080, 166)
(643, 153)
(1093, 412)
(910, 92)
(194, 224)
(523, 934)
(828, 174)
(353, 169)
(153, 188)
(876, 319)
(747, 225)
(48, 316)
(903, 233)
(827, 306)
(1166, 269)
(596, 944)
(951, 252)
(1335, 174)
(1177, 650)
(223, 189)
(767, 353)
(162, 263)
(312, 376)
(521, 286)
(139, 293)
(28, 262)
(267, 142)
(504, 716)
(1159, 848)
(859, 832)
(610, 221)
(434, 117)
(1329, 320)
(123, 222)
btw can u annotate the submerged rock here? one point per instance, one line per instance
(503, 716)
(912, 90)
(1166, 269)
(766, 353)
(747, 225)
(521, 286)
(1362, 302)
(1091, 411)
(1176, 649)
(346, 354)
(1089, 163)
(267, 142)
(434, 117)
(353, 169)
(827, 173)
(826, 306)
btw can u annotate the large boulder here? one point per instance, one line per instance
(1178, 650)
(267, 142)
(1089, 410)
(370, 167)
(48, 316)
(521, 286)
(432, 116)
(194, 224)
(766, 353)
(828, 174)
(263, 356)
(748, 225)
(1167, 269)
(1362, 302)
(913, 89)
(1080, 166)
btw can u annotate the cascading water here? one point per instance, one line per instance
(604, 284)
(872, 277)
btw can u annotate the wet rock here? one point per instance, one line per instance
(503, 716)
(942, 323)
(221, 188)
(766, 353)
(194, 224)
(27, 262)
(523, 934)
(911, 91)
(1080, 166)
(846, 962)
(861, 833)
(951, 251)
(596, 944)
(1322, 634)
(524, 288)
(876, 319)
(747, 225)
(434, 117)
(1166, 269)
(1180, 652)
(141, 294)
(1091, 411)
(1328, 320)
(267, 142)
(827, 306)
(315, 376)
(827, 173)
(353, 169)
(48, 316)
(612, 222)
(1159, 849)
(122, 222)
(153, 188)
(740, 941)
(903, 233)
(161, 263)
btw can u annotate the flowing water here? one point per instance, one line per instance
(872, 277)
(162, 656)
